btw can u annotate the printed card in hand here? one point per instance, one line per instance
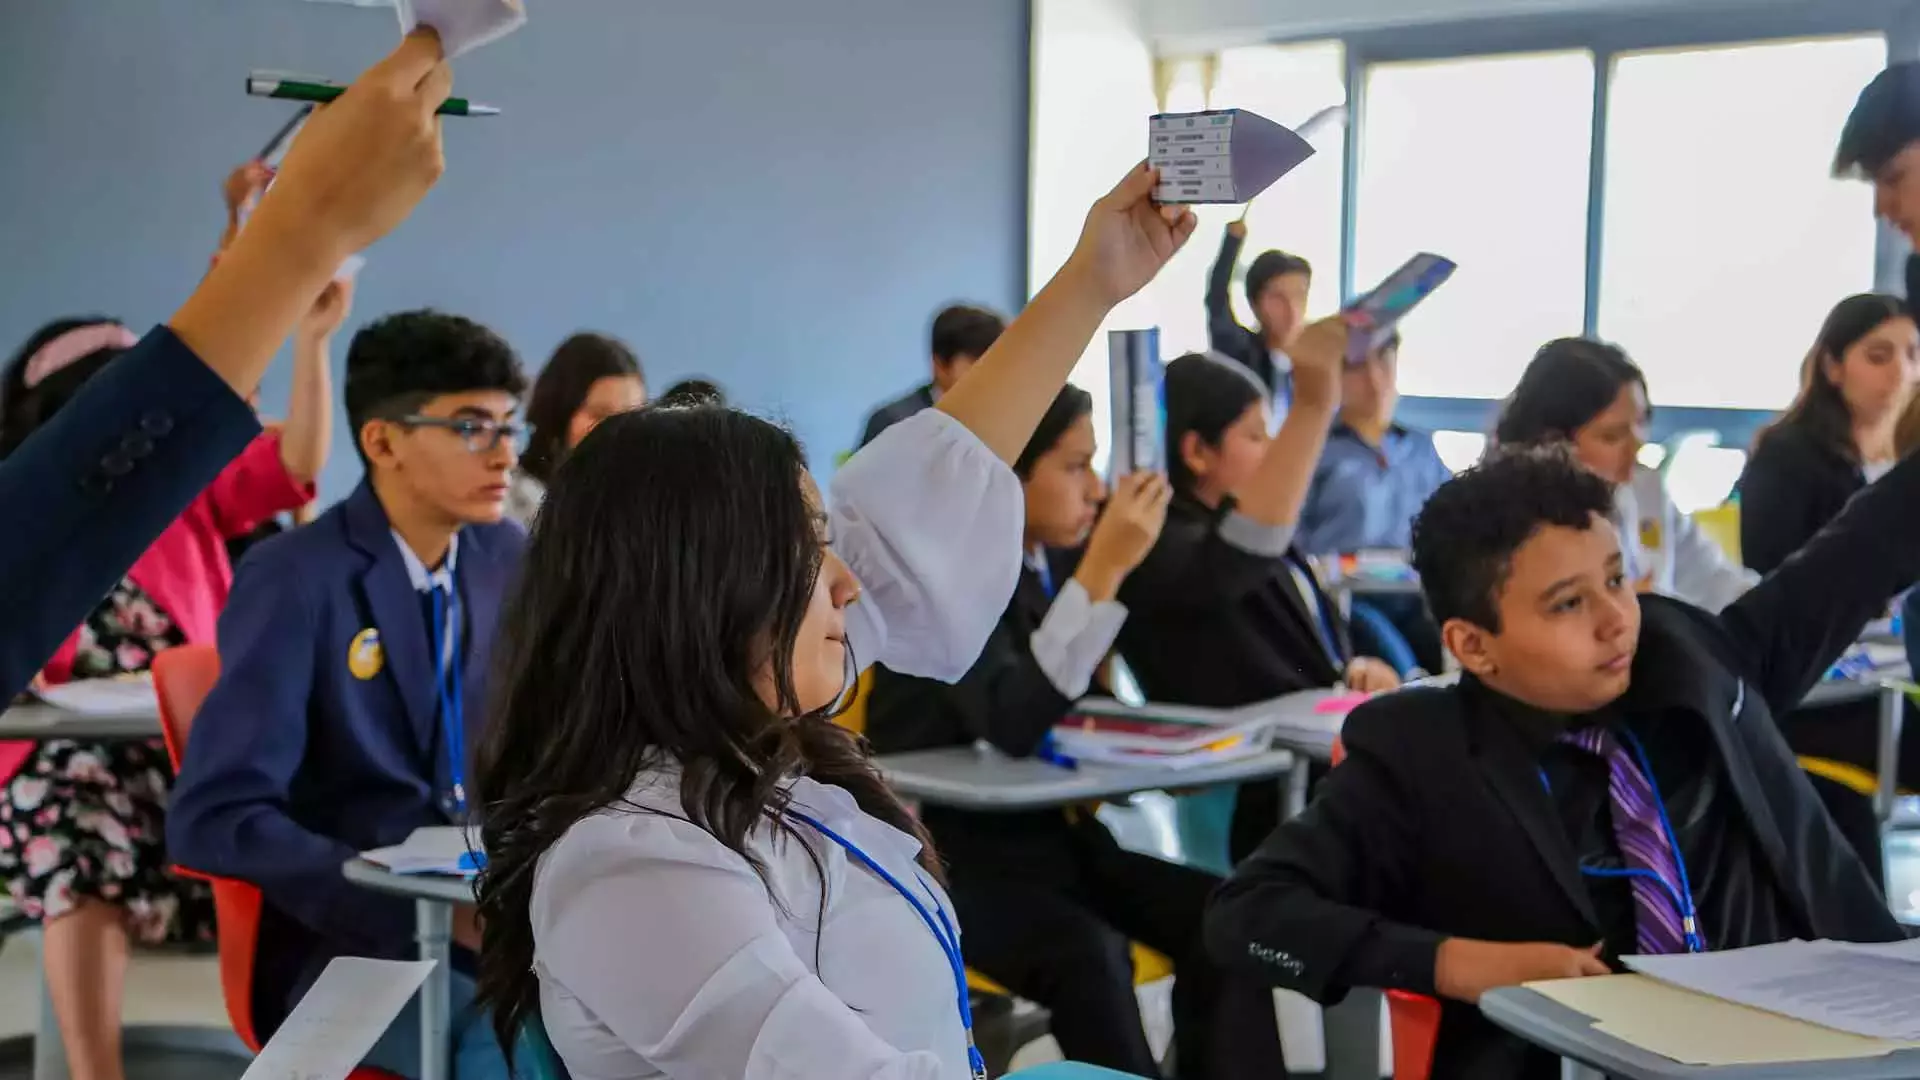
(1220, 156)
(464, 25)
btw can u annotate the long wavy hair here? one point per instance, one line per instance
(674, 559)
(560, 390)
(1819, 409)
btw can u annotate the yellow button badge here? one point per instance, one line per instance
(365, 657)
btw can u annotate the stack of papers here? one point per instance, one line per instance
(1870, 990)
(337, 1022)
(436, 849)
(1106, 732)
(131, 696)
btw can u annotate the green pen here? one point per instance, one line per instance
(320, 92)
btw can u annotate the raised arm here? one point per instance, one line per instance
(1274, 495)
(306, 436)
(1224, 332)
(1126, 240)
(1790, 628)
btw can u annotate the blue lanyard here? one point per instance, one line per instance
(1045, 573)
(942, 930)
(448, 670)
(1682, 896)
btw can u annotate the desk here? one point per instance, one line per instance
(35, 720)
(1890, 688)
(433, 899)
(1552, 1026)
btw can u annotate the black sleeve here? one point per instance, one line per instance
(1303, 912)
(1780, 495)
(876, 423)
(1191, 566)
(1224, 332)
(1004, 698)
(1789, 629)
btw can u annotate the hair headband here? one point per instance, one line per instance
(75, 344)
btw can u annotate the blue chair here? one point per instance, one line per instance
(543, 1059)
(1069, 1070)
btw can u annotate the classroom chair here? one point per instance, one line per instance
(182, 678)
(544, 1061)
(1000, 1028)
(1413, 1018)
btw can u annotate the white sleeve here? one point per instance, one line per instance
(929, 520)
(1074, 638)
(680, 955)
(1702, 573)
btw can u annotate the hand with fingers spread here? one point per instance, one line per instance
(1126, 532)
(1465, 968)
(362, 163)
(1128, 237)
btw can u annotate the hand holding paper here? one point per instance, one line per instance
(1127, 239)
(1220, 156)
(463, 25)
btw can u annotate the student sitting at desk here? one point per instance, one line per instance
(1226, 610)
(962, 334)
(692, 871)
(1590, 397)
(1605, 779)
(587, 379)
(354, 670)
(81, 845)
(1372, 478)
(1049, 901)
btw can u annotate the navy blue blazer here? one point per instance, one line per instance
(87, 494)
(308, 751)
(895, 411)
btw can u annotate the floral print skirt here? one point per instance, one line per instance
(84, 821)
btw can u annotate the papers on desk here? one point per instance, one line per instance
(1104, 732)
(1870, 990)
(1869, 659)
(434, 849)
(102, 697)
(349, 1007)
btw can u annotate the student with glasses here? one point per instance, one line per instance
(354, 671)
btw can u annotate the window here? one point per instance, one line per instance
(1484, 161)
(1300, 213)
(1725, 238)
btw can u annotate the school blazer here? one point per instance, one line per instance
(90, 492)
(1790, 488)
(1437, 825)
(1006, 700)
(1225, 335)
(895, 411)
(316, 744)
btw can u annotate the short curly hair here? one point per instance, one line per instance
(1465, 537)
(399, 363)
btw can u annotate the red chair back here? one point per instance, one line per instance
(182, 679)
(1415, 1018)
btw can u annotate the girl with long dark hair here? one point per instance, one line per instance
(691, 870)
(589, 378)
(1590, 397)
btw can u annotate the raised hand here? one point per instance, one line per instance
(327, 312)
(1128, 237)
(1126, 532)
(362, 163)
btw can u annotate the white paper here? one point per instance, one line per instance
(1871, 990)
(349, 1007)
(464, 25)
(432, 849)
(103, 697)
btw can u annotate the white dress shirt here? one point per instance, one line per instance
(1075, 636)
(661, 953)
(1664, 545)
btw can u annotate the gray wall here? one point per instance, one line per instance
(770, 193)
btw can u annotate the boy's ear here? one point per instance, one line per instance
(1476, 647)
(376, 442)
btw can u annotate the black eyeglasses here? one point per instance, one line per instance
(481, 435)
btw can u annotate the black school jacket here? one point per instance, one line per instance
(1790, 489)
(1437, 824)
(1008, 701)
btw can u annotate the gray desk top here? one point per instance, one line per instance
(1552, 1026)
(35, 720)
(966, 778)
(441, 887)
(1844, 691)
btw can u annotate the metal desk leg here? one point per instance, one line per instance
(434, 934)
(1294, 795)
(1573, 1070)
(49, 1053)
(1892, 718)
(1353, 1036)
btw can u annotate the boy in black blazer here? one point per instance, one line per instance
(1476, 838)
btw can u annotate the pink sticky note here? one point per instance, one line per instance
(1340, 703)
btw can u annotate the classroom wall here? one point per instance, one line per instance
(1186, 25)
(777, 195)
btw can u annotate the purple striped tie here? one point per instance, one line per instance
(1642, 841)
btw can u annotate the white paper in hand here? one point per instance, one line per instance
(464, 25)
(349, 1007)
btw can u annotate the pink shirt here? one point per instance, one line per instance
(186, 571)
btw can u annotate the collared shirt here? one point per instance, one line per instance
(1365, 496)
(425, 581)
(1077, 633)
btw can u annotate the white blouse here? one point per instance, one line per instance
(661, 953)
(1663, 544)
